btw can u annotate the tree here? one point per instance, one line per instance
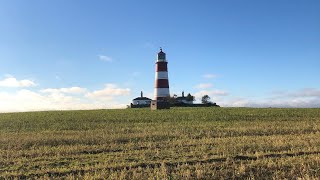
(190, 97)
(205, 99)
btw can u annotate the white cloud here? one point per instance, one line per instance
(304, 98)
(108, 92)
(203, 86)
(71, 90)
(211, 93)
(63, 99)
(285, 103)
(306, 92)
(26, 100)
(13, 82)
(209, 76)
(105, 58)
(214, 94)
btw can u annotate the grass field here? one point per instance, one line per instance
(180, 143)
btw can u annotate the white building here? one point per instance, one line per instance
(141, 100)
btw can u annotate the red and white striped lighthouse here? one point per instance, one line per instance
(161, 88)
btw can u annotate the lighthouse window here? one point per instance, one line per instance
(161, 56)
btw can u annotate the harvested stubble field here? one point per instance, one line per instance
(180, 143)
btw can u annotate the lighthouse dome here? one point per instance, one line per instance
(161, 55)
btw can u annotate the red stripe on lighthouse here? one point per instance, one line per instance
(162, 83)
(161, 66)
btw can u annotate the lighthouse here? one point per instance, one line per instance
(161, 88)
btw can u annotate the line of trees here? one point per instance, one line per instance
(204, 100)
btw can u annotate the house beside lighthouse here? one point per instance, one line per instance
(141, 100)
(161, 87)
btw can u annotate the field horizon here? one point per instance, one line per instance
(180, 143)
(144, 108)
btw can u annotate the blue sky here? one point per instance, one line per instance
(100, 54)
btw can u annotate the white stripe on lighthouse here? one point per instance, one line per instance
(162, 75)
(161, 92)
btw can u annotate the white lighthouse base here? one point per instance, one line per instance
(159, 105)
